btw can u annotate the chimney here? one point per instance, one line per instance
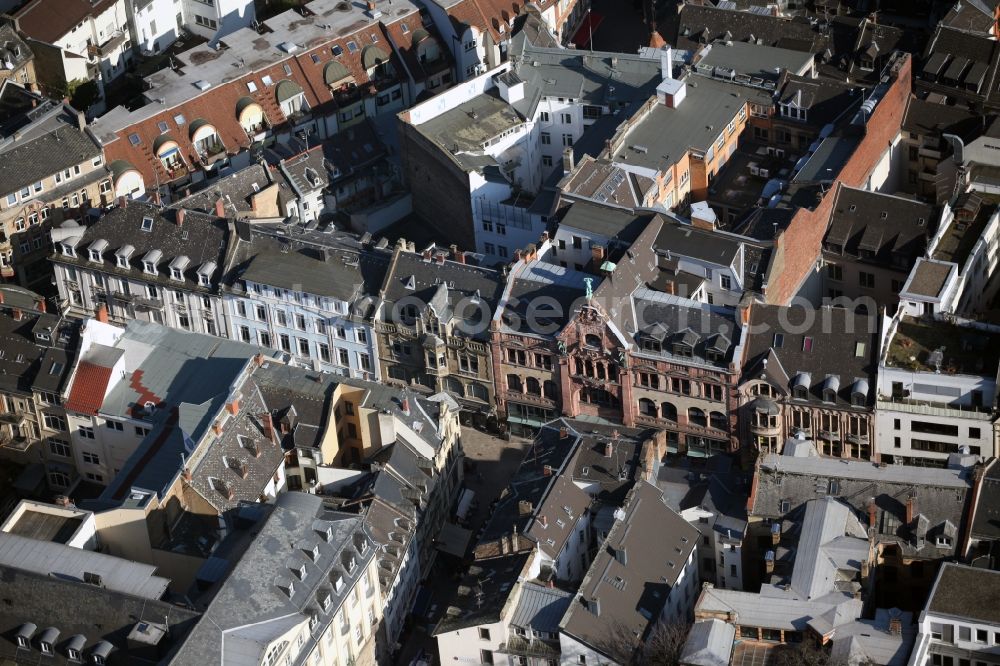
(569, 162)
(769, 562)
(872, 514)
(524, 507)
(268, 424)
(453, 249)
(547, 470)
(670, 288)
(427, 254)
(81, 121)
(597, 252)
(186, 474)
(217, 428)
(123, 202)
(220, 207)
(563, 432)
(180, 217)
(531, 252)
(234, 406)
(406, 405)
(18, 315)
(64, 500)
(909, 510)
(608, 449)
(543, 521)
(1, 298)
(40, 303)
(667, 62)
(102, 313)
(544, 238)
(439, 258)
(896, 626)
(460, 256)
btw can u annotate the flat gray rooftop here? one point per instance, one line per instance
(666, 134)
(45, 526)
(465, 128)
(866, 471)
(249, 51)
(754, 59)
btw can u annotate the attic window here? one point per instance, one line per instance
(251, 86)
(147, 224)
(779, 340)
(352, 46)
(122, 262)
(203, 280)
(337, 51)
(374, 38)
(943, 542)
(149, 267)
(288, 70)
(162, 126)
(405, 28)
(834, 487)
(267, 80)
(315, 58)
(786, 506)
(180, 120)
(134, 139)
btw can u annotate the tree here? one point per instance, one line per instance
(662, 646)
(82, 93)
(806, 653)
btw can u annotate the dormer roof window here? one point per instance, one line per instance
(177, 267)
(150, 261)
(96, 250)
(123, 255)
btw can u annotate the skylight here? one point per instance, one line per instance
(147, 224)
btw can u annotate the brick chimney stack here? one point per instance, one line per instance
(220, 207)
(909, 509)
(102, 313)
(180, 217)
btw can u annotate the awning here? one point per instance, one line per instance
(453, 540)
(587, 29)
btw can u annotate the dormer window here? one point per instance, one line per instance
(149, 267)
(67, 250)
(177, 267)
(150, 261)
(95, 256)
(800, 393)
(123, 262)
(829, 395)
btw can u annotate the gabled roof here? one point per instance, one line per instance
(884, 227)
(821, 344)
(89, 386)
(648, 546)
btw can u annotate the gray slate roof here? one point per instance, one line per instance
(57, 143)
(250, 600)
(79, 608)
(966, 592)
(29, 362)
(709, 643)
(939, 495)
(657, 542)
(814, 346)
(540, 608)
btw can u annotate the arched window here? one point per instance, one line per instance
(668, 412)
(592, 340)
(647, 407)
(533, 387)
(514, 383)
(697, 417)
(718, 420)
(478, 391)
(549, 389)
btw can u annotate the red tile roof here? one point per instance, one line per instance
(89, 386)
(218, 105)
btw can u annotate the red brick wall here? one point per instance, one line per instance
(798, 247)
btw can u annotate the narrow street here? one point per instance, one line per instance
(492, 462)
